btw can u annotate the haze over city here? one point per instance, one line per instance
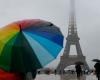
(57, 12)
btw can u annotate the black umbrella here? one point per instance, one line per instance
(79, 62)
(96, 60)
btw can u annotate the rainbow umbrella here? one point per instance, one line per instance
(29, 44)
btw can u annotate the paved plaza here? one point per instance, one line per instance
(73, 77)
(64, 77)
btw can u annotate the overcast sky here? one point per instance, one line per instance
(57, 12)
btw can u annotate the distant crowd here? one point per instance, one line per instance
(78, 70)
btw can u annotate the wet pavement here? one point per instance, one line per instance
(64, 77)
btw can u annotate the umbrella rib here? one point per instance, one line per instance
(52, 47)
(39, 50)
(54, 36)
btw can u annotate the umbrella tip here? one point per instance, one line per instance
(20, 28)
(50, 24)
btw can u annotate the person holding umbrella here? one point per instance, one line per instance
(28, 45)
(78, 69)
(97, 68)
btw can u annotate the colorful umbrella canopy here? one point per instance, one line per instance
(29, 44)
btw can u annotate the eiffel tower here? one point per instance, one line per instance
(72, 39)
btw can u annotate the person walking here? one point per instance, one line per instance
(97, 70)
(78, 71)
(55, 71)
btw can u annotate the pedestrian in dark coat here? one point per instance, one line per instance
(97, 70)
(78, 70)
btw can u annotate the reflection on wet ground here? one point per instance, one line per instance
(64, 77)
(71, 77)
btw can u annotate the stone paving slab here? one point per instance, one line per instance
(73, 77)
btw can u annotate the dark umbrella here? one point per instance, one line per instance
(79, 62)
(96, 60)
